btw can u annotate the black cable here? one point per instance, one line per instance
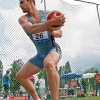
(98, 14)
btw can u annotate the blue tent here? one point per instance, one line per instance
(79, 75)
(71, 76)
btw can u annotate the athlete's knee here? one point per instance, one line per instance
(19, 76)
(49, 65)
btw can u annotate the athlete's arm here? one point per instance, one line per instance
(38, 27)
(33, 28)
(56, 33)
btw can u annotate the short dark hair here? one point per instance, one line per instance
(33, 1)
(7, 72)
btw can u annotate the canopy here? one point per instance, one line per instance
(88, 75)
(70, 76)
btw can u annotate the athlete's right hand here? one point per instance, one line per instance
(58, 20)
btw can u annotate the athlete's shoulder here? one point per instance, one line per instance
(22, 19)
(46, 11)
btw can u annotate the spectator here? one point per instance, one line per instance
(21, 93)
(78, 83)
(6, 83)
(97, 81)
(84, 86)
(42, 87)
(66, 88)
(80, 93)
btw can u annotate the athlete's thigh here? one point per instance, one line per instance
(28, 69)
(53, 56)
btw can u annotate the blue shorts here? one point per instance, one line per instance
(39, 59)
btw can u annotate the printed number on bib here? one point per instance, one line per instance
(41, 37)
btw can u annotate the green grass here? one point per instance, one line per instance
(87, 98)
(82, 98)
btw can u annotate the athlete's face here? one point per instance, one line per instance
(25, 5)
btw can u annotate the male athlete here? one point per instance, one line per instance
(48, 51)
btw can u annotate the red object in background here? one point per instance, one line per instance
(94, 94)
(72, 84)
(49, 16)
(17, 98)
(97, 78)
(31, 77)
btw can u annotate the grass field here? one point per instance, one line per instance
(87, 98)
(82, 98)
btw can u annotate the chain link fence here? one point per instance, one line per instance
(78, 43)
(71, 85)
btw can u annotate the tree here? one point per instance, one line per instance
(61, 72)
(16, 66)
(1, 74)
(67, 68)
(91, 70)
(64, 70)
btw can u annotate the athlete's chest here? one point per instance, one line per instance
(36, 19)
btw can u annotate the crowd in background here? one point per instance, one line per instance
(81, 87)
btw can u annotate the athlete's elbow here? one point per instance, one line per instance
(60, 35)
(32, 31)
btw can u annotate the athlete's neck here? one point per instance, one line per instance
(34, 13)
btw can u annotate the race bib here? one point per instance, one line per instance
(41, 37)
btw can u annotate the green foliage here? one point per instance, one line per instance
(1, 74)
(64, 70)
(67, 68)
(60, 73)
(43, 73)
(91, 70)
(91, 80)
(92, 83)
(16, 66)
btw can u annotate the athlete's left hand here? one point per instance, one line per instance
(50, 30)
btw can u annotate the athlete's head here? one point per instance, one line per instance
(26, 5)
